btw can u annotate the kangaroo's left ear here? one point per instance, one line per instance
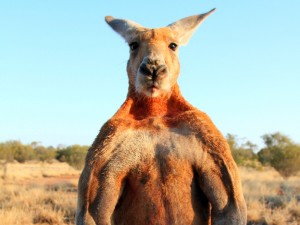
(185, 27)
(126, 28)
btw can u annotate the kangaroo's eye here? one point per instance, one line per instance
(173, 46)
(133, 46)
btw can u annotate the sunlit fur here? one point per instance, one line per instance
(154, 45)
(159, 160)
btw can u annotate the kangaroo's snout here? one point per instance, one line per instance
(153, 71)
(153, 76)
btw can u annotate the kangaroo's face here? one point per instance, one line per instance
(153, 66)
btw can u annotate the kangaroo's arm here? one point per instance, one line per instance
(218, 175)
(219, 180)
(98, 189)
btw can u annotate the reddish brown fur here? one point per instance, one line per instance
(159, 160)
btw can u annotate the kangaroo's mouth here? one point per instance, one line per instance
(152, 86)
(153, 89)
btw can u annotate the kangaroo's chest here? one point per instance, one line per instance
(139, 145)
(161, 181)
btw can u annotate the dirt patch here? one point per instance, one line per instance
(51, 176)
(19, 171)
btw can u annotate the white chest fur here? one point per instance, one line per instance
(134, 146)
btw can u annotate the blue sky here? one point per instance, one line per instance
(62, 69)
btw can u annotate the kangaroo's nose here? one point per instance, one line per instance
(152, 70)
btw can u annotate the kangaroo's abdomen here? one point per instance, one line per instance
(162, 191)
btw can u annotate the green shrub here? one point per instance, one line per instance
(243, 154)
(73, 155)
(280, 153)
(45, 154)
(15, 150)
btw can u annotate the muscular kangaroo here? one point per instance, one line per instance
(159, 160)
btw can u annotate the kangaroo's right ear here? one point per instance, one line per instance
(125, 28)
(185, 27)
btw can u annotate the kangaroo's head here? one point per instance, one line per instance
(153, 66)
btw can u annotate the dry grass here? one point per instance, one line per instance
(38, 193)
(271, 200)
(29, 170)
(50, 198)
(36, 205)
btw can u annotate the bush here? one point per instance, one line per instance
(73, 155)
(280, 153)
(7, 151)
(15, 150)
(45, 154)
(243, 154)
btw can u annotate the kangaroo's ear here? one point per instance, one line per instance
(125, 28)
(185, 27)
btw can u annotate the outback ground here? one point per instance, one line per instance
(45, 193)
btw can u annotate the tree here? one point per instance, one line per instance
(281, 153)
(243, 154)
(42, 153)
(15, 150)
(73, 155)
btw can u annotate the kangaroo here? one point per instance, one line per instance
(159, 160)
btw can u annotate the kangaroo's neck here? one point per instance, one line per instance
(140, 107)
